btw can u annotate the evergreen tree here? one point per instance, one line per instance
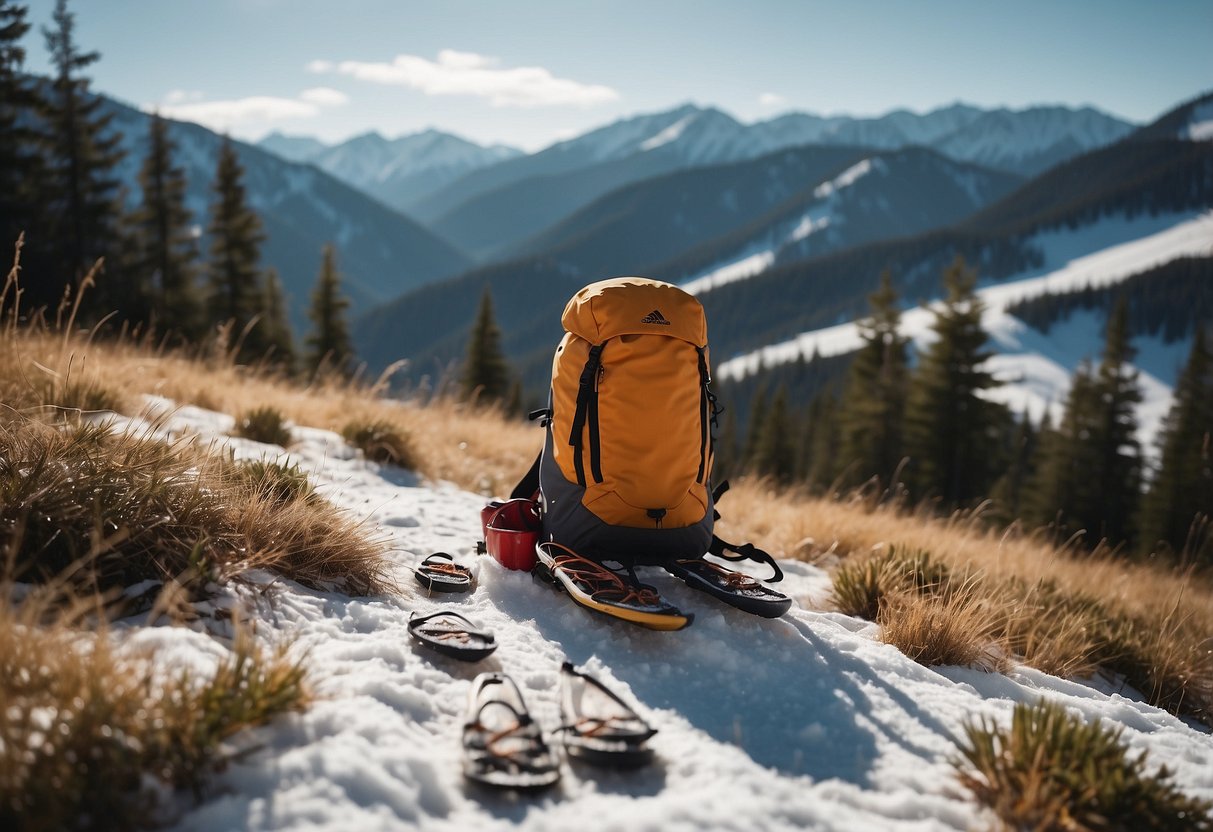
(821, 440)
(233, 270)
(81, 183)
(774, 452)
(329, 343)
(873, 402)
(485, 374)
(1090, 476)
(278, 336)
(759, 404)
(21, 165)
(166, 264)
(1178, 508)
(1008, 491)
(951, 431)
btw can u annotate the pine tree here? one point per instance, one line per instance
(1178, 508)
(872, 410)
(759, 404)
(485, 374)
(329, 343)
(1119, 451)
(21, 165)
(234, 286)
(822, 462)
(1089, 477)
(774, 451)
(166, 264)
(1009, 489)
(81, 183)
(278, 336)
(951, 431)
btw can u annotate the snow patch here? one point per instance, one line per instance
(1036, 368)
(1200, 124)
(669, 134)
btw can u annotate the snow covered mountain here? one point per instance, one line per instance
(403, 172)
(490, 212)
(879, 196)
(1191, 121)
(1036, 367)
(381, 253)
(292, 148)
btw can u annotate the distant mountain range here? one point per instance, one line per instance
(402, 172)
(826, 221)
(381, 252)
(491, 201)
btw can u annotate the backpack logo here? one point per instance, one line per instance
(655, 317)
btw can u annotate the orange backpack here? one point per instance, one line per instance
(625, 472)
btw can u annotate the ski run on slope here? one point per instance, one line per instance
(761, 255)
(1035, 368)
(803, 722)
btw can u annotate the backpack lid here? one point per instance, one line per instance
(635, 306)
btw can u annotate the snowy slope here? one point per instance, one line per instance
(806, 722)
(1035, 367)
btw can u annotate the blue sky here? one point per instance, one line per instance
(530, 72)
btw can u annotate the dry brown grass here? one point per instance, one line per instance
(1060, 610)
(1169, 615)
(87, 726)
(958, 628)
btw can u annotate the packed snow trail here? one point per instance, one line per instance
(803, 722)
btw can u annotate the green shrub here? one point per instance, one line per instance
(860, 587)
(1052, 771)
(276, 482)
(381, 441)
(264, 424)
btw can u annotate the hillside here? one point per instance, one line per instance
(818, 719)
(1162, 183)
(381, 252)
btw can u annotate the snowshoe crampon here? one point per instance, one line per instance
(734, 588)
(452, 635)
(598, 727)
(502, 746)
(604, 590)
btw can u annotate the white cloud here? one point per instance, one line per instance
(232, 114)
(324, 96)
(771, 99)
(466, 73)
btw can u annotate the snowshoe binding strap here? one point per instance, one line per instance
(604, 590)
(453, 635)
(440, 573)
(746, 551)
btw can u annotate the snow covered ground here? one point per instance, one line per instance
(1036, 367)
(806, 722)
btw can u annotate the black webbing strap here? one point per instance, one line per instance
(529, 484)
(705, 378)
(746, 551)
(586, 392)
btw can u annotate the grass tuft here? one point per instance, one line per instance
(954, 629)
(276, 482)
(381, 441)
(1051, 771)
(264, 424)
(862, 586)
(88, 729)
(106, 510)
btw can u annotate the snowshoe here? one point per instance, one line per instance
(502, 746)
(604, 590)
(452, 635)
(734, 588)
(440, 573)
(598, 727)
